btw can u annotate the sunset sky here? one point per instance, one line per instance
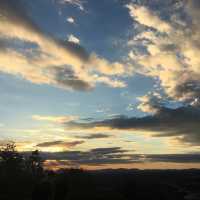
(102, 83)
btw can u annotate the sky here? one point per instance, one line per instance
(102, 84)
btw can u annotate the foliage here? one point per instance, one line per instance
(10, 160)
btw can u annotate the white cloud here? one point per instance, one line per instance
(130, 107)
(172, 52)
(77, 3)
(55, 119)
(74, 39)
(146, 17)
(71, 20)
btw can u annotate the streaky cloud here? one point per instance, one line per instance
(181, 123)
(50, 56)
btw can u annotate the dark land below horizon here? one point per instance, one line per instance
(117, 184)
(25, 178)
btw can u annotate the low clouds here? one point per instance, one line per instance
(59, 143)
(115, 155)
(42, 59)
(181, 123)
(174, 158)
(94, 136)
(98, 156)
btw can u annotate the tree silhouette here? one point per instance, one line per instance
(10, 159)
(35, 163)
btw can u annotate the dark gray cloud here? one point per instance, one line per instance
(113, 155)
(175, 158)
(116, 156)
(107, 151)
(59, 143)
(189, 90)
(65, 76)
(98, 156)
(49, 144)
(94, 136)
(183, 121)
(75, 48)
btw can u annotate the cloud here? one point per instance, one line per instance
(151, 103)
(74, 39)
(98, 156)
(180, 123)
(107, 151)
(174, 158)
(59, 143)
(130, 107)
(43, 59)
(94, 136)
(94, 157)
(170, 47)
(146, 17)
(71, 20)
(76, 3)
(55, 119)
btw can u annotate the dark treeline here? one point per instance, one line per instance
(24, 178)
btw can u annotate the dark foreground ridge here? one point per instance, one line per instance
(23, 178)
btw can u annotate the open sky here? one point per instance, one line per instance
(102, 83)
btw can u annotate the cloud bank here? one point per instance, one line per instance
(115, 155)
(181, 124)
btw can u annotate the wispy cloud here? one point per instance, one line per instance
(146, 17)
(94, 136)
(78, 3)
(59, 143)
(55, 119)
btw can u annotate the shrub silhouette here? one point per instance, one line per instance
(10, 160)
(34, 164)
(18, 173)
